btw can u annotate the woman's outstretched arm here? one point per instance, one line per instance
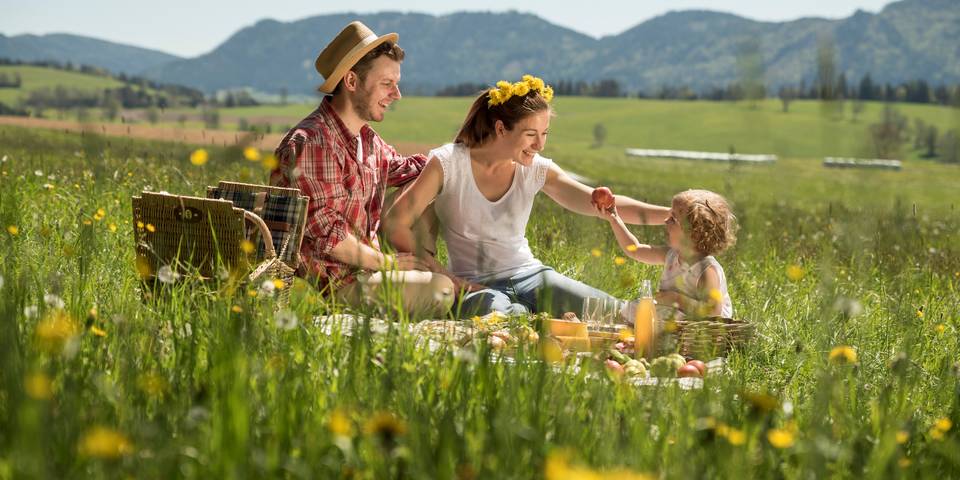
(576, 197)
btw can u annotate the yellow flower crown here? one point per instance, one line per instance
(506, 90)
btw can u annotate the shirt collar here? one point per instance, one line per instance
(326, 106)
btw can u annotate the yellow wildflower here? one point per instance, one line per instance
(199, 157)
(904, 462)
(247, 246)
(780, 438)
(843, 354)
(902, 437)
(270, 162)
(102, 442)
(595, 252)
(386, 426)
(38, 386)
(619, 260)
(152, 384)
(944, 424)
(279, 284)
(112, 227)
(632, 248)
(936, 434)
(151, 228)
(520, 89)
(795, 272)
(716, 295)
(251, 154)
(236, 309)
(340, 424)
(13, 230)
(547, 94)
(98, 331)
(55, 330)
(736, 437)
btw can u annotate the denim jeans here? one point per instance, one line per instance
(538, 290)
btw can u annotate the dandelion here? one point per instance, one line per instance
(38, 173)
(55, 331)
(103, 442)
(848, 307)
(199, 157)
(736, 437)
(944, 424)
(780, 438)
(795, 273)
(100, 214)
(98, 331)
(936, 434)
(53, 301)
(270, 162)
(166, 274)
(904, 462)
(30, 311)
(385, 426)
(151, 228)
(279, 284)
(920, 312)
(251, 154)
(285, 320)
(38, 386)
(595, 252)
(339, 424)
(902, 437)
(940, 328)
(716, 295)
(251, 293)
(236, 309)
(112, 227)
(140, 225)
(632, 248)
(843, 354)
(267, 287)
(619, 260)
(13, 230)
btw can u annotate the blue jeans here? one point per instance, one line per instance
(538, 290)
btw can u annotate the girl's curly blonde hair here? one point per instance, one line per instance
(707, 218)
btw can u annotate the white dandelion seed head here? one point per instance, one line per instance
(285, 319)
(166, 274)
(1, 281)
(4, 159)
(267, 287)
(31, 311)
(223, 273)
(53, 301)
(51, 177)
(38, 173)
(849, 307)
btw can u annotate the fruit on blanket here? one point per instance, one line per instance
(496, 342)
(700, 366)
(635, 368)
(613, 366)
(667, 366)
(688, 371)
(602, 197)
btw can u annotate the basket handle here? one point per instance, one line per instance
(264, 233)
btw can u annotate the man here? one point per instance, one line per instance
(335, 158)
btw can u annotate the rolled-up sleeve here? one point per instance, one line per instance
(318, 173)
(402, 169)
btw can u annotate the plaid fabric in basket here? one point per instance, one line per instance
(284, 211)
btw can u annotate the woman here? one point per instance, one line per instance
(484, 185)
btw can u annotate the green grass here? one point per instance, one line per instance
(197, 390)
(35, 78)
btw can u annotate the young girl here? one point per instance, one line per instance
(700, 226)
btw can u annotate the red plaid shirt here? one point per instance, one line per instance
(319, 156)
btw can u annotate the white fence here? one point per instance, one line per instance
(836, 162)
(712, 156)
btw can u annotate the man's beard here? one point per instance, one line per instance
(361, 106)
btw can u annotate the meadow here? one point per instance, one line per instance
(851, 278)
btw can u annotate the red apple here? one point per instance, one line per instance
(602, 197)
(688, 371)
(700, 366)
(613, 366)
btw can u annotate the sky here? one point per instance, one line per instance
(189, 27)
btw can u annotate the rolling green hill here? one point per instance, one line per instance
(35, 78)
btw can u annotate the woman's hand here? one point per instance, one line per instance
(460, 285)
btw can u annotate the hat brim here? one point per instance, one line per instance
(351, 59)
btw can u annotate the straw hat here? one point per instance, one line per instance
(351, 44)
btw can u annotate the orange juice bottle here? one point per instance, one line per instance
(644, 321)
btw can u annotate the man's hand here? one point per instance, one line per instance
(404, 261)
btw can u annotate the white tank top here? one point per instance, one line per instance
(486, 240)
(683, 278)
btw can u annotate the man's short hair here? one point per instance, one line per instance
(362, 67)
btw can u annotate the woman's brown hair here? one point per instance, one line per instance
(481, 121)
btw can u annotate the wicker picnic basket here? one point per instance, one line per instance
(703, 338)
(284, 212)
(198, 235)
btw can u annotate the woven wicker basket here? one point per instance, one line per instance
(200, 235)
(703, 339)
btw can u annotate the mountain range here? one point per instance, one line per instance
(906, 40)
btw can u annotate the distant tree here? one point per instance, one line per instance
(110, 108)
(787, 94)
(153, 115)
(211, 118)
(887, 136)
(856, 108)
(950, 147)
(919, 133)
(607, 88)
(930, 141)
